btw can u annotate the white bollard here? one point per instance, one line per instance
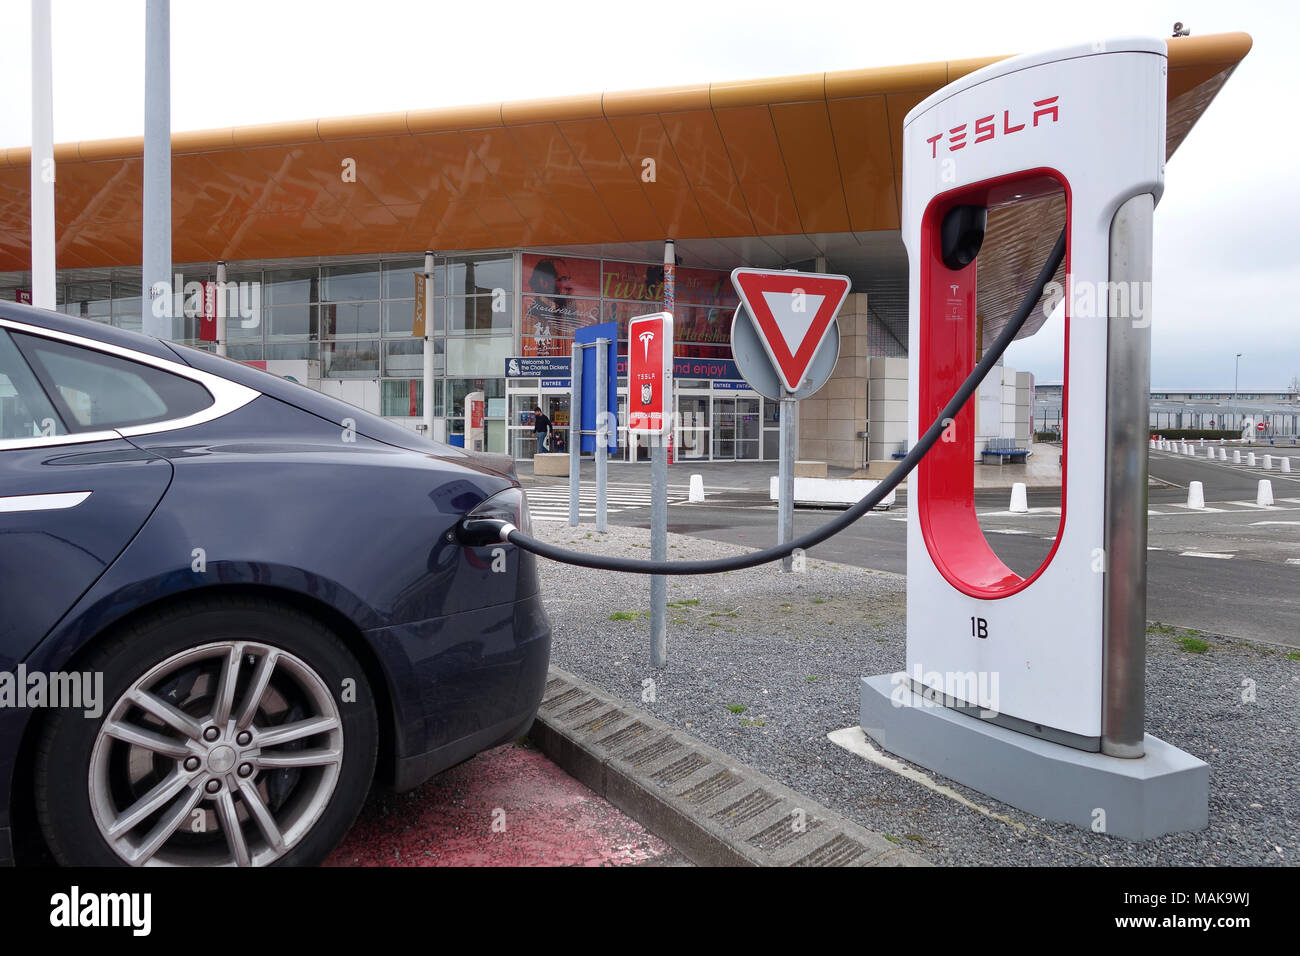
(1019, 499)
(697, 488)
(1202, 442)
(1285, 465)
(1196, 496)
(1268, 462)
(1236, 456)
(1223, 454)
(1265, 497)
(1250, 459)
(1209, 452)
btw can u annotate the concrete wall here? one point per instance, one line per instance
(887, 407)
(830, 421)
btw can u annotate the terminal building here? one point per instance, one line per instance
(547, 216)
(1278, 410)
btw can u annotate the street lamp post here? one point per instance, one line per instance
(1236, 366)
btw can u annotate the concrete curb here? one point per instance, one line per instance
(706, 805)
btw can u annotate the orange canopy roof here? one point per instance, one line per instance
(813, 154)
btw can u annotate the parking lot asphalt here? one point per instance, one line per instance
(507, 807)
(1231, 569)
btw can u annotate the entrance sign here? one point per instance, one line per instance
(792, 311)
(650, 374)
(1030, 687)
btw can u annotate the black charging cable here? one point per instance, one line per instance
(491, 530)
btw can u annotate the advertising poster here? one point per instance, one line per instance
(563, 294)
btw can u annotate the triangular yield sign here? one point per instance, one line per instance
(793, 311)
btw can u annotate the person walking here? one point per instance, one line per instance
(542, 430)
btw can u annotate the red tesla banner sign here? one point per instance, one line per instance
(793, 312)
(650, 374)
(208, 318)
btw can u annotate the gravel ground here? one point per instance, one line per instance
(790, 649)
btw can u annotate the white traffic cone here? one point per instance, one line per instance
(1196, 496)
(697, 488)
(1019, 499)
(1265, 496)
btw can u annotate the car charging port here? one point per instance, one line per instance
(493, 519)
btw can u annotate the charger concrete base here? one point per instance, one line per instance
(1166, 791)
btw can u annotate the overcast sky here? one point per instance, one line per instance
(1227, 272)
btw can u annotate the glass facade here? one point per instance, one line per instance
(354, 318)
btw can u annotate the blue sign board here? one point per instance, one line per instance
(588, 336)
(535, 366)
(684, 367)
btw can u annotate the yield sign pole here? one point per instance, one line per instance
(785, 478)
(793, 312)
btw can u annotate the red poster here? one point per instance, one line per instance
(644, 282)
(558, 299)
(208, 318)
(563, 294)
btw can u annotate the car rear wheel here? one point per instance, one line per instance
(233, 732)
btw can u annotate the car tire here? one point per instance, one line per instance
(280, 764)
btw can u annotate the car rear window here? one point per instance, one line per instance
(25, 412)
(97, 390)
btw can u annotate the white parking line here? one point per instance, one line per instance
(1205, 554)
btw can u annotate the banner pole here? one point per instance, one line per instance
(575, 433)
(602, 431)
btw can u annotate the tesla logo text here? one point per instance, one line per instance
(986, 127)
(646, 338)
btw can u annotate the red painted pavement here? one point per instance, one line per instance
(542, 817)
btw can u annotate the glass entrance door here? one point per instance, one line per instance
(724, 429)
(749, 429)
(693, 427)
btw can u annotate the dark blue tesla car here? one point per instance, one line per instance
(229, 604)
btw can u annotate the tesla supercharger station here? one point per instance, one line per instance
(1030, 688)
